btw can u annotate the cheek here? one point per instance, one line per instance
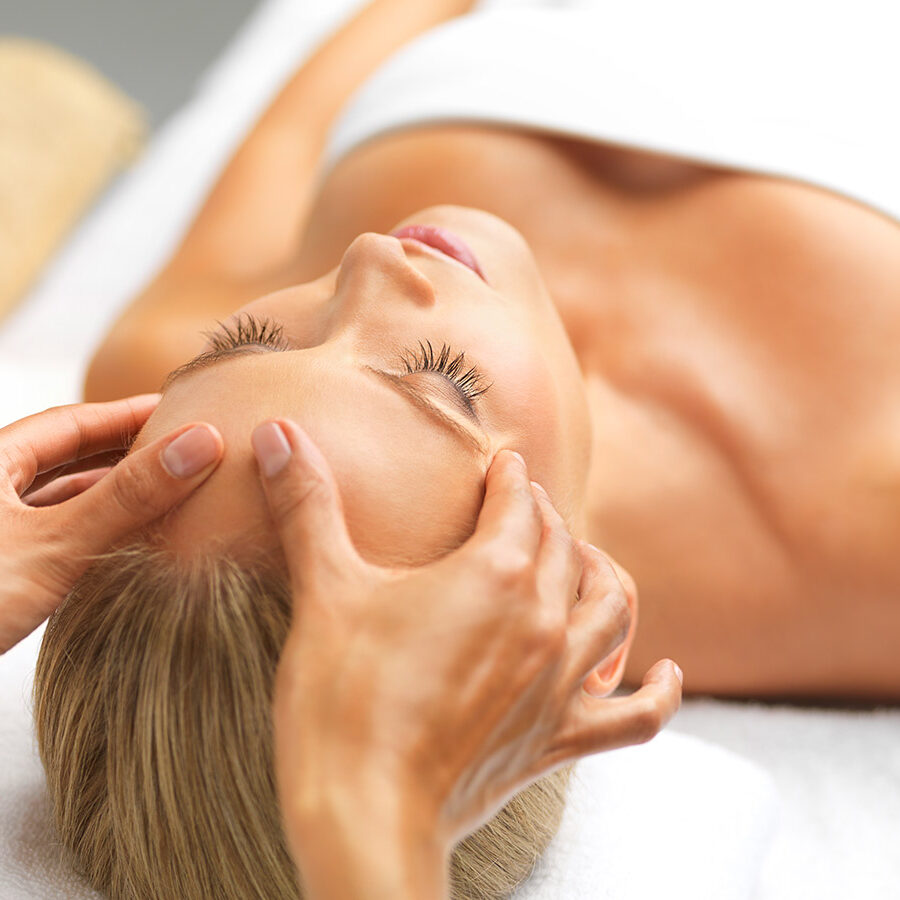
(525, 404)
(532, 417)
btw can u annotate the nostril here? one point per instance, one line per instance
(375, 257)
(416, 286)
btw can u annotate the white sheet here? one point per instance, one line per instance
(677, 817)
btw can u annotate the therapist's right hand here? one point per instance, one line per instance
(431, 695)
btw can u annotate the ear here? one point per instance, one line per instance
(608, 675)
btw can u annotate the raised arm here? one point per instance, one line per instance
(243, 240)
(252, 220)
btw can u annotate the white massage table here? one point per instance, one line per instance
(734, 800)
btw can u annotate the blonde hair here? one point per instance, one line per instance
(152, 707)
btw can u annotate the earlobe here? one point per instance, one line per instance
(608, 675)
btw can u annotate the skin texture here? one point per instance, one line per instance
(736, 336)
(411, 483)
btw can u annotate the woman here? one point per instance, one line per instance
(734, 335)
(662, 341)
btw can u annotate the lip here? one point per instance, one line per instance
(444, 241)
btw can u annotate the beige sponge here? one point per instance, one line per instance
(64, 132)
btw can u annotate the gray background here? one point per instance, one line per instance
(153, 49)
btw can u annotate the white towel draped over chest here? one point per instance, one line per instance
(804, 90)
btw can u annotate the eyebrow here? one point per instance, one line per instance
(418, 399)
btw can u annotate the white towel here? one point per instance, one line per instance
(837, 772)
(677, 818)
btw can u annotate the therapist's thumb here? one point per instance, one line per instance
(144, 485)
(305, 504)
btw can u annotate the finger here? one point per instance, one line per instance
(593, 725)
(559, 559)
(603, 619)
(142, 487)
(104, 460)
(305, 504)
(66, 433)
(64, 488)
(509, 523)
(606, 678)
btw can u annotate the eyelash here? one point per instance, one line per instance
(452, 366)
(249, 329)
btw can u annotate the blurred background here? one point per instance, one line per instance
(153, 49)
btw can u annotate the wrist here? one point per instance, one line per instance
(366, 840)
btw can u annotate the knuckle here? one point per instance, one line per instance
(556, 640)
(77, 426)
(623, 576)
(554, 526)
(512, 487)
(559, 535)
(599, 565)
(14, 462)
(133, 490)
(620, 615)
(512, 570)
(523, 495)
(628, 583)
(548, 635)
(298, 493)
(647, 722)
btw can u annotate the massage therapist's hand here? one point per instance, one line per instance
(52, 521)
(411, 704)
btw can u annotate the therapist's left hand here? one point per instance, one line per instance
(53, 521)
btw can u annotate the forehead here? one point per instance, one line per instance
(411, 490)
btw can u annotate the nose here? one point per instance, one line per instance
(373, 257)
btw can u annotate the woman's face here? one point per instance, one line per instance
(359, 365)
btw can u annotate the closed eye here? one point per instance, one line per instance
(475, 437)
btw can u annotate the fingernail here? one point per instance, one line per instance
(271, 448)
(519, 457)
(678, 672)
(539, 489)
(190, 452)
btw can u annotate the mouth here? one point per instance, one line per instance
(445, 242)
